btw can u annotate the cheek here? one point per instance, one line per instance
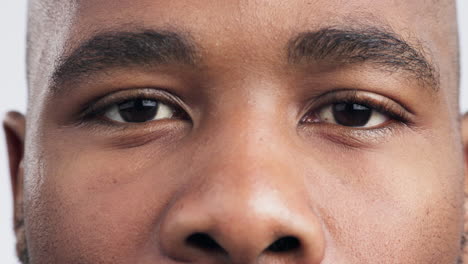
(401, 203)
(100, 205)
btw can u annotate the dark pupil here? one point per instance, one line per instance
(353, 115)
(138, 110)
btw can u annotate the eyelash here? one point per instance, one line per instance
(93, 112)
(394, 110)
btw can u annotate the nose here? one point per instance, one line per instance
(253, 215)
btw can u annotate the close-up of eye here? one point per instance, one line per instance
(140, 110)
(352, 115)
(133, 106)
(357, 110)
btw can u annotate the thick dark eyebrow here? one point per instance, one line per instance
(124, 49)
(370, 45)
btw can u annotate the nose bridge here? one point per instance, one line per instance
(252, 156)
(246, 202)
(251, 181)
(250, 127)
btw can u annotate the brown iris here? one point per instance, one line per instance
(138, 110)
(351, 114)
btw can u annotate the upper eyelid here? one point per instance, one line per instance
(359, 94)
(102, 103)
(379, 102)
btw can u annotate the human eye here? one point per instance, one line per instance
(139, 110)
(352, 114)
(132, 107)
(357, 110)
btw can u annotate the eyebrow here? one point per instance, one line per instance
(370, 45)
(334, 45)
(123, 49)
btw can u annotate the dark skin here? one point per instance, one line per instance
(240, 132)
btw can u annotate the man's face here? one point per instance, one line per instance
(245, 131)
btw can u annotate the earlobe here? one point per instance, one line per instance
(14, 125)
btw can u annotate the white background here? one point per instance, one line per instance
(13, 95)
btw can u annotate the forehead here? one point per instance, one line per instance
(252, 20)
(238, 29)
(244, 12)
(235, 23)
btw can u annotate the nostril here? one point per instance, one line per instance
(284, 244)
(204, 242)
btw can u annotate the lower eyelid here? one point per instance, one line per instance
(354, 138)
(130, 136)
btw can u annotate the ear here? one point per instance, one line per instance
(465, 141)
(464, 127)
(14, 126)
